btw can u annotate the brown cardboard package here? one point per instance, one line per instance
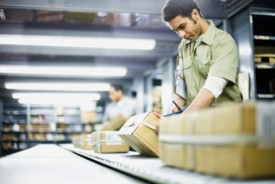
(236, 140)
(109, 142)
(88, 117)
(83, 141)
(171, 153)
(139, 132)
(264, 54)
(114, 124)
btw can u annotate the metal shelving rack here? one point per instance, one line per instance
(251, 32)
(264, 36)
(11, 114)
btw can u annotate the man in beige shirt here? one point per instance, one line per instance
(207, 66)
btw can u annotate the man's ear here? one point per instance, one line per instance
(195, 14)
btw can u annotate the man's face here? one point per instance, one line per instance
(115, 95)
(186, 27)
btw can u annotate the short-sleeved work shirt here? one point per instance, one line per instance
(213, 54)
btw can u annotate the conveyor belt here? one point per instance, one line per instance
(153, 170)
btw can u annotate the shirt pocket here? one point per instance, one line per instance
(203, 60)
(187, 68)
(187, 63)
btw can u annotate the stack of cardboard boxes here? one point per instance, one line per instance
(101, 142)
(234, 140)
(138, 132)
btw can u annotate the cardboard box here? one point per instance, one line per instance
(232, 141)
(39, 127)
(174, 154)
(83, 141)
(265, 59)
(139, 132)
(109, 142)
(88, 117)
(114, 124)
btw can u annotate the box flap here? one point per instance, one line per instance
(133, 122)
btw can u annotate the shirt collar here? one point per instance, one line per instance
(208, 37)
(121, 102)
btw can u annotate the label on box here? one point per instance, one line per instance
(133, 122)
(266, 124)
(112, 138)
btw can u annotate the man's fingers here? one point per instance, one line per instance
(175, 109)
(157, 129)
(157, 114)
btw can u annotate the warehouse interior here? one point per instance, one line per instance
(59, 58)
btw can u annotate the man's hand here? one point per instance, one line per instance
(158, 116)
(179, 101)
(203, 100)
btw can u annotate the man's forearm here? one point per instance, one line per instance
(203, 100)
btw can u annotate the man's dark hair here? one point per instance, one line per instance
(173, 8)
(118, 87)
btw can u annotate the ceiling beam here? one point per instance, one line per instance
(238, 7)
(130, 6)
(210, 8)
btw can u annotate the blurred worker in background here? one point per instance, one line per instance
(120, 105)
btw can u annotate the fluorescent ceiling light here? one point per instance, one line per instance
(57, 98)
(69, 96)
(63, 71)
(53, 101)
(78, 42)
(47, 86)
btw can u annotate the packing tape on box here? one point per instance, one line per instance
(107, 142)
(214, 140)
(149, 125)
(110, 139)
(218, 140)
